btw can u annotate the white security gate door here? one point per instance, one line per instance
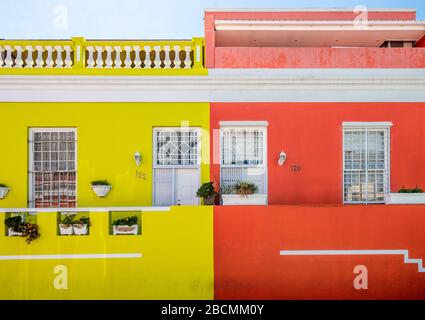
(176, 166)
(187, 183)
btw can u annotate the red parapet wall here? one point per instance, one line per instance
(253, 57)
(248, 241)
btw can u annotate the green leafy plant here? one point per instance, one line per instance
(100, 183)
(83, 220)
(129, 221)
(245, 188)
(206, 190)
(67, 219)
(414, 190)
(15, 223)
(3, 185)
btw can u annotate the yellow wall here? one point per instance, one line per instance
(108, 136)
(176, 262)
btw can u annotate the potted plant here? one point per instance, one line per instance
(4, 189)
(207, 193)
(415, 195)
(81, 225)
(101, 188)
(126, 226)
(243, 193)
(66, 224)
(14, 226)
(18, 226)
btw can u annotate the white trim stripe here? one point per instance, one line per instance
(231, 10)
(82, 209)
(72, 256)
(404, 253)
(380, 125)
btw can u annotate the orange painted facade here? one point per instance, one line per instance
(311, 135)
(248, 241)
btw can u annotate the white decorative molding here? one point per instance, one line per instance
(229, 85)
(72, 256)
(306, 10)
(82, 209)
(404, 253)
(375, 125)
(243, 123)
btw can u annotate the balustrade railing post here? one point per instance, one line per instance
(198, 53)
(79, 52)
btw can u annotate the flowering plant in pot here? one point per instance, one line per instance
(66, 224)
(101, 187)
(19, 226)
(207, 193)
(4, 189)
(126, 226)
(81, 225)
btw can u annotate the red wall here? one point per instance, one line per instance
(247, 242)
(311, 136)
(319, 58)
(421, 43)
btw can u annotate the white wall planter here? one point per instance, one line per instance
(12, 233)
(101, 191)
(125, 229)
(3, 192)
(66, 229)
(405, 198)
(80, 229)
(251, 199)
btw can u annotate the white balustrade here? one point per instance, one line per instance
(19, 61)
(148, 61)
(108, 59)
(90, 57)
(117, 60)
(187, 60)
(157, 60)
(167, 59)
(39, 63)
(137, 61)
(8, 60)
(68, 60)
(127, 60)
(58, 62)
(148, 55)
(49, 58)
(99, 57)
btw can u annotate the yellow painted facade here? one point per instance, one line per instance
(108, 135)
(176, 262)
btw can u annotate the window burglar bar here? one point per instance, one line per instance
(365, 165)
(52, 168)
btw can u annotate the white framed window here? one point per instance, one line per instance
(52, 167)
(366, 162)
(243, 154)
(176, 165)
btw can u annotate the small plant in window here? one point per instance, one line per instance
(20, 226)
(4, 189)
(245, 188)
(207, 192)
(414, 190)
(66, 224)
(81, 225)
(126, 225)
(101, 187)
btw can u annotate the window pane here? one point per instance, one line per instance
(177, 147)
(242, 146)
(53, 176)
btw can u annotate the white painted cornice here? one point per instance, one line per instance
(230, 85)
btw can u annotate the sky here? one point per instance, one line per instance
(141, 19)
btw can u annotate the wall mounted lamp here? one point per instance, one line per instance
(137, 158)
(282, 158)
